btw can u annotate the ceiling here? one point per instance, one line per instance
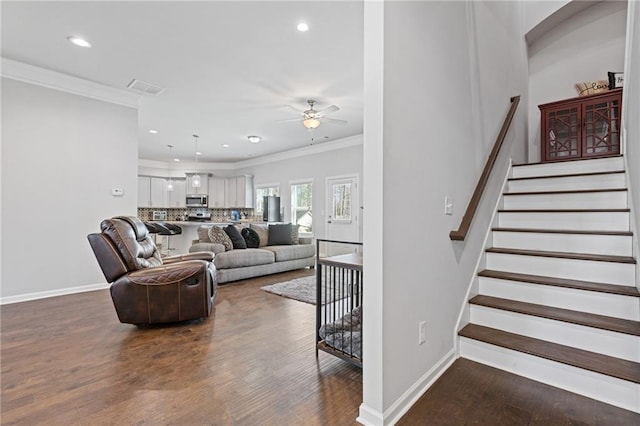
(228, 67)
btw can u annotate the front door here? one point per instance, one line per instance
(342, 207)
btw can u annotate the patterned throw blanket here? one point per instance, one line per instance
(345, 334)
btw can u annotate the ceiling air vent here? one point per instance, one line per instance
(144, 87)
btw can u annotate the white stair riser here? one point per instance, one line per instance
(569, 183)
(581, 200)
(612, 164)
(586, 270)
(620, 393)
(580, 221)
(615, 245)
(610, 343)
(612, 305)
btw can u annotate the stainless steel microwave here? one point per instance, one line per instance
(197, 201)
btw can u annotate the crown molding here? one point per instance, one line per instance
(55, 80)
(301, 152)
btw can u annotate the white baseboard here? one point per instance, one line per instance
(51, 293)
(400, 407)
(369, 416)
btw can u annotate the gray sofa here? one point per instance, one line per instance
(239, 264)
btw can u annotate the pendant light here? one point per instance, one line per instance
(170, 182)
(195, 181)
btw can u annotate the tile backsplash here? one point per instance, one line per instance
(217, 215)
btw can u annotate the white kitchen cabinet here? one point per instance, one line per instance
(144, 191)
(239, 192)
(204, 183)
(159, 192)
(178, 195)
(217, 192)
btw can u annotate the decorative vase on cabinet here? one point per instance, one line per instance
(582, 127)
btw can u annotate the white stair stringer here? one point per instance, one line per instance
(557, 301)
(614, 391)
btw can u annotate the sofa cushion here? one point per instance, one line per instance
(214, 247)
(292, 252)
(236, 238)
(242, 258)
(263, 232)
(217, 235)
(251, 237)
(279, 234)
(203, 234)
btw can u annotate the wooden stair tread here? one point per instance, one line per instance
(564, 255)
(622, 290)
(603, 364)
(572, 191)
(565, 231)
(603, 322)
(564, 210)
(567, 175)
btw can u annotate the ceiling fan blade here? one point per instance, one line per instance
(292, 109)
(329, 110)
(289, 120)
(334, 121)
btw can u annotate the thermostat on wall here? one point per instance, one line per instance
(117, 192)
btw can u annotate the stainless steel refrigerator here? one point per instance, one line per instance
(271, 209)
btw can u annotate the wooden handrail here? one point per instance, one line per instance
(461, 232)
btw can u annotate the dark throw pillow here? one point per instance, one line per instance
(280, 235)
(236, 238)
(251, 237)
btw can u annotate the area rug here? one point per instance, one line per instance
(302, 289)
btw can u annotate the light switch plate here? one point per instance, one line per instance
(117, 192)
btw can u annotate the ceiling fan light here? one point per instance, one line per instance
(311, 123)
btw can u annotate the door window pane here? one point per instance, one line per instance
(342, 202)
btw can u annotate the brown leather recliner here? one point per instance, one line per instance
(146, 288)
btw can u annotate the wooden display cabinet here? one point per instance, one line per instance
(582, 127)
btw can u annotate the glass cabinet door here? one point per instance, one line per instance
(601, 128)
(563, 133)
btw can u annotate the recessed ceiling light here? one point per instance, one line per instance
(225, 145)
(78, 41)
(302, 27)
(176, 159)
(254, 139)
(198, 153)
(153, 131)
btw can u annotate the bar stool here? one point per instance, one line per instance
(168, 230)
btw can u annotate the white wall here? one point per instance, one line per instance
(537, 11)
(440, 119)
(582, 48)
(61, 156)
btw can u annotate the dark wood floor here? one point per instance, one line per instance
(67, 360)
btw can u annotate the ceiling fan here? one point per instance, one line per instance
(312, 118)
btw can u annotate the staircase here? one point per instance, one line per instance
(558, 301)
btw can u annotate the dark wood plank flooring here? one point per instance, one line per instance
(469, 393)
(68, 361)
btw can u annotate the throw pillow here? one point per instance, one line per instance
(263, 232)
(251, 237)
(236, 238)
(592, 87)
(295, 239)
(217, 235)
(280, 235)
(203, 234)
